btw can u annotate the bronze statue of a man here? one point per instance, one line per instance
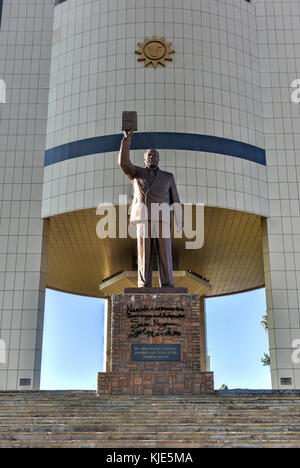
(153, 188)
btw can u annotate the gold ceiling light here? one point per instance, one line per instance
(155, 51)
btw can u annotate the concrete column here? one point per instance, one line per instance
(25, 44)
(283, 318)
(22, 314)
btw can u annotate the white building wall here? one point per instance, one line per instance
(279, 51)
(25, 51)
(212, 87)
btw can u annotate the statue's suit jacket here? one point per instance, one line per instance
(161, 190)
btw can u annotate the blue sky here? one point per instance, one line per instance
(237, 341)
(73, 341)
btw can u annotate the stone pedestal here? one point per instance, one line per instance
(155, 346)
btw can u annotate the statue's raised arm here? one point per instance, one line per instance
(124, 156)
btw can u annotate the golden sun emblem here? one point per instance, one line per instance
(155, 51)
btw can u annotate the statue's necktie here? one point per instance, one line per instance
(152, 173)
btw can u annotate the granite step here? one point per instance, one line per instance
(14, 421)
(166, 415)
(252, 404)
(161, 444)
(80, 419)
(150, 436)
(218, 396)
(152, 445)
(143, 428)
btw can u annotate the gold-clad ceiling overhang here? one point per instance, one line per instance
(231, 257)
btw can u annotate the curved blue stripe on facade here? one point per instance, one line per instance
(158, 140)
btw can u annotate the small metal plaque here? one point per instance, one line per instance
(25, 382)
(129, 121)
(155, 352)
(286, 381)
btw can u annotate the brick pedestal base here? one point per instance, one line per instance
(155, 347)
(159, 383)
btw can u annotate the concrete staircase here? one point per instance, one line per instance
(81, 419)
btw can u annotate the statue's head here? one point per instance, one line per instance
(151, 158)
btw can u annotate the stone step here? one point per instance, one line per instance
(159, 420)
(145, 403)
(109, 409)
(153, 428)
(149, 408)
(80, 419)
(229, 436)
(157, 416)
(161, 444)
(192, 398)
(134, 400)
(219, 394)
(60, 410)
(144, 406)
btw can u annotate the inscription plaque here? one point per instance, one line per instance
(155, 352)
